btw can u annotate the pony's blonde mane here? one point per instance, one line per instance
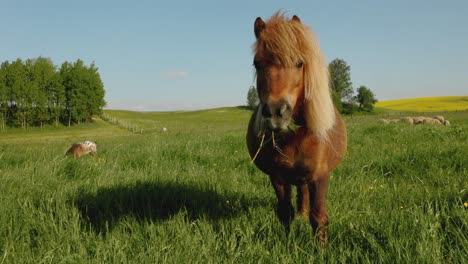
(286, 42)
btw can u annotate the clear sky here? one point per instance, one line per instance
(183, 55)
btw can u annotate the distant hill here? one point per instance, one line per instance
(427, 104)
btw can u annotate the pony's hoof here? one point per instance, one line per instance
(322, 236)
(303, 216)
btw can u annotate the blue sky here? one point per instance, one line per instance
(184, 55)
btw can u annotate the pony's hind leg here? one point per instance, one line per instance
(318, 211)
(285, 210)
(303, 200)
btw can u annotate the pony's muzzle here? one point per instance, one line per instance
(277, 115)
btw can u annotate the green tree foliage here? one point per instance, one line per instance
(3, 94)
(35, 92)
(96, 92)
(17, 83)
(336, 97)
(84, 91)
(350, 107)
(340, 80)
(50, 91)
(72, 76)
(35, 70)
(365, 98)
(252, 97)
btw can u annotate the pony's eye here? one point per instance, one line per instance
(256, 64)
(299, 64)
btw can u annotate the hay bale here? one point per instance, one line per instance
(407, 120)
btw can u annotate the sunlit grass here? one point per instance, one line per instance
(191, 195)
(97, 129)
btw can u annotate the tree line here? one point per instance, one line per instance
(341, 88)
(343, 93)
(35, 92)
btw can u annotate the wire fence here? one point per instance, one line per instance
(122, 124)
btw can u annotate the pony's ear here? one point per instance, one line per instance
(296, 18)
(259, 26)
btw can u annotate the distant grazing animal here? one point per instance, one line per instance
(440, 118)
(384, 121)
(407, 119)
(432, 121)
(164, 129)
(418, 119)
(437, 120)
(388, 121)
(82, 148)
(295, 134)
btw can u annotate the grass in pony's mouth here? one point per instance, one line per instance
(292, 127)
(259, 147)
(275, 145)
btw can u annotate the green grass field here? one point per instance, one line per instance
(191, 195)
(427, 104)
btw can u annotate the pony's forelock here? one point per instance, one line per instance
(287, 42)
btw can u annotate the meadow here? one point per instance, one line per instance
(192, 195)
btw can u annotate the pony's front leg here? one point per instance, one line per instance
(318, 211)
(285, 209)
(303, 201)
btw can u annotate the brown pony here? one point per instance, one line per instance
(295, 135)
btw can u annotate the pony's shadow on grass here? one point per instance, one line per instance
(153, 201)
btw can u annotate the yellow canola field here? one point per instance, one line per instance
(427, 104)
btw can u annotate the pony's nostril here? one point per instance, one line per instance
(282, 110)
(266, 111)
